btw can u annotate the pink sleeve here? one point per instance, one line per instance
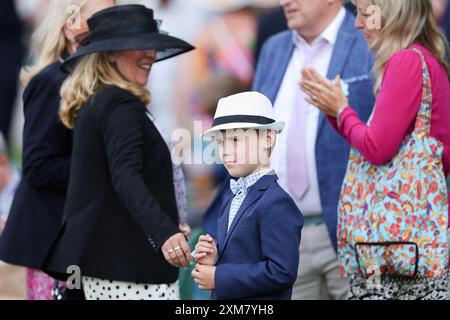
(333, 122)
(395, 111)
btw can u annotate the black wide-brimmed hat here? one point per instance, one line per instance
(123, 28)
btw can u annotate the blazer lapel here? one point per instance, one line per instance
(341, 52)
(223, 221)
(254, 193)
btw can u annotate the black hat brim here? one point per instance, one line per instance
(165, 45)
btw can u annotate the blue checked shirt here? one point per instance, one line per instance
(239, 189)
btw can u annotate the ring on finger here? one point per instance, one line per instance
(177, 248)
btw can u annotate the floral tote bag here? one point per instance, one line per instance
(392, 219)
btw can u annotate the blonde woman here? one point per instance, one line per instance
(412, 83)
(120, 224)
(47, 146)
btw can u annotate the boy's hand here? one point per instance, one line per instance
(204, 276)
(206, 251)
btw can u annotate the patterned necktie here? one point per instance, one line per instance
(297, 169)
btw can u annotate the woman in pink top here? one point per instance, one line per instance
(393, 28)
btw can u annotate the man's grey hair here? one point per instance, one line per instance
(3, 146)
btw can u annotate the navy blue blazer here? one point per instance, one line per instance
(37, 208)
(446, 25)
(258, 257)
(211, 215)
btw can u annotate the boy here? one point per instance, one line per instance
(255, 255)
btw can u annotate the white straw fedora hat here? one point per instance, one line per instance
(246, 110)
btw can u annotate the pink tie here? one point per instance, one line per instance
(297, 169)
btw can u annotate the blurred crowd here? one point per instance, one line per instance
(228, 36)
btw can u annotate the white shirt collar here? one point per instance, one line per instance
(329, 34)
(252, 178)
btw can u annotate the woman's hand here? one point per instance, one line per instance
(176, 251)
(206, 251)
(186, 229)
(322, 93)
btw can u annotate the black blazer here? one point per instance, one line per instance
(446, 25)
(37, 209)
(121, 205)
(11, 53)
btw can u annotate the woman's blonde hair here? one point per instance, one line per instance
(48, 41)
(404, 22)
(89, 75)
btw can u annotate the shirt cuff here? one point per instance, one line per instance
(338, 118)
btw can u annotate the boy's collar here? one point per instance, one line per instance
(255, 178)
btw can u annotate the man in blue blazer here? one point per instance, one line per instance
(321, 35)
(446, 22)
